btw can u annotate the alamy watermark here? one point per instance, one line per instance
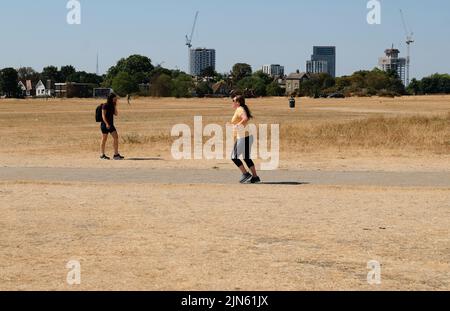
(74, 14)
(220, 144)
(74, 275)
(374, 275)
(374, 14)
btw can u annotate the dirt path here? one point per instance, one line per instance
(193, 176)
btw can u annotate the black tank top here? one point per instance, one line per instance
(109, 109)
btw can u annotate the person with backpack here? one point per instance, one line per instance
(105, 116)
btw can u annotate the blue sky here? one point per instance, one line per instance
(35, 33)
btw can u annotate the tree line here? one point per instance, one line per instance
(136, 70)
(362, 83)
(434, 84)
(136, 74)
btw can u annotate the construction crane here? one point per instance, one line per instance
(409, 41)
(189, 38)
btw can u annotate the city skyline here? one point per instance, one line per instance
(115, 30)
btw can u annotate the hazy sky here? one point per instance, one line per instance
(35, 33)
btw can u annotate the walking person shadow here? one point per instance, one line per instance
(144, 159)
(285, 183)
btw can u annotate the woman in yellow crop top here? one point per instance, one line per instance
(244, 141)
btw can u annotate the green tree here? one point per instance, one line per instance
(343, 82)
(66, 72)
(9, 80)
(274, 89)
(259, 86)
(27, 73)
(137, 66)
(208, 72)
(368, 83)
(50, 73)
(263, 76)
(157, 71)
(435, 84)
(85, 77)
(415, 87)
(123, 84)
(240, 71)
(182, 86)
(203, 89)
(161, 87)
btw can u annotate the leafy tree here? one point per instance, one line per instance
(84, 77)
(259, 86)
(123, 84)
(66, 72)
(137, 66)
(240, 71)
(368, 83)
(245, 83)
(326, 80)
(274, 89)
(263, 76)
(343, 82)
(208, 72)
(315, 86)
(157, 71)
(161, 87)
(50, 73)
(434, 84)
(203, 89)
(27, 73)
(9, 80)
(310, 88)
(182, 86)
(414, 87)
(220, 77)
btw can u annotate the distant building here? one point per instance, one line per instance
(23, 88)
(102, 92)
(41, 90)
(200, 59)
(294, 80)
(273, 70)
(323, 56)
(391, 61)
(28, 88)
(317, 66)
(74, 90)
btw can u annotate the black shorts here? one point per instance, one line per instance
(107, 131)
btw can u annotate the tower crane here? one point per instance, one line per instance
(409, 40)
(189, 38)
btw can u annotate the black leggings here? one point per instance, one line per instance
(243, 147)
(239, 163)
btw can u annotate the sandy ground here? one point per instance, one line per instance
(195, 237)
(185, 235)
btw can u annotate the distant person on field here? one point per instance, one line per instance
(244, 141)
(109, 110)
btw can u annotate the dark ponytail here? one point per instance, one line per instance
(241, 100)
(110, 100)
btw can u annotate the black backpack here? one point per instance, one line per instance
(99, 114)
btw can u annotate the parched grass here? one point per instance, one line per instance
(419, 133)
(58, 127)
(416, 133)
(137, 139)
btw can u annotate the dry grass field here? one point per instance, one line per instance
(212, 236)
